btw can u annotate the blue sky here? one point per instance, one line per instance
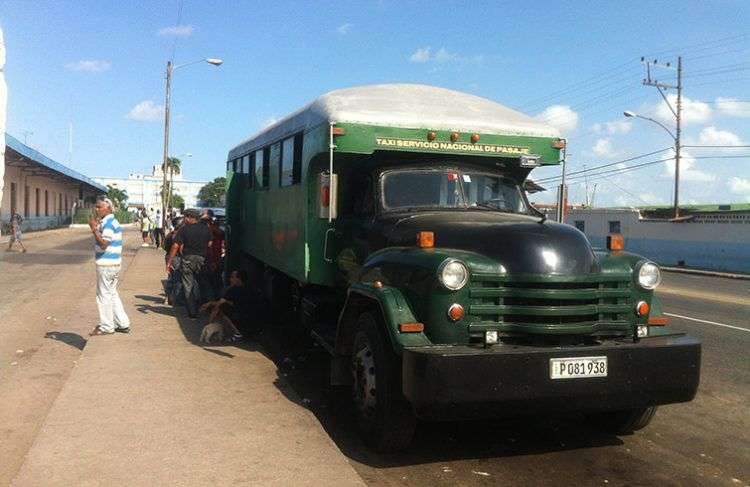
(99, 65)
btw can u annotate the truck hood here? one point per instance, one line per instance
(519, 242)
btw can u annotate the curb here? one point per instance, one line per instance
(727, 275)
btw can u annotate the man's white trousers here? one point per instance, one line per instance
(111, 312)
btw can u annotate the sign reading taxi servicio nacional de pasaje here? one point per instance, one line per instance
(464, 147)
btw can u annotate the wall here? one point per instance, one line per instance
(721, 244)
(57, 213)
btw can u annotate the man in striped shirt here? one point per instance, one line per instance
(108, 256)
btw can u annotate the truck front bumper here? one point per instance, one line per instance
(461, 382)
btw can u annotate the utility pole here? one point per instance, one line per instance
(165, 160)
(562, 196)
(676, 111)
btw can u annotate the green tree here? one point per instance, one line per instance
(118, 196)
(174, 165)
(178, 202)
(212, 194)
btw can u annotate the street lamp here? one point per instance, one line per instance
(676, 140)
(167, 97)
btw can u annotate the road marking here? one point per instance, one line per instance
(708, 322)
(688, 293)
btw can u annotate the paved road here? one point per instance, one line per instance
(46, 309)
(705, 442)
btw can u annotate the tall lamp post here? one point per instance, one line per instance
(677, 147)
(167, 98)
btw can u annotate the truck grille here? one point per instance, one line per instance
(552, 304)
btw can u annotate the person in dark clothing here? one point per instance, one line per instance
(236, 305)
(192, 243)
(173, 286)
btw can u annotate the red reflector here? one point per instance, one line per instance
(338, 131)
(615, 241)
(325, 196)
(658, 321)
(425, 240)
(642, 308)
(411, 327)
(558, 144)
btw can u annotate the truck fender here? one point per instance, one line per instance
(393, 308)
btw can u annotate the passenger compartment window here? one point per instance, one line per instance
(259, 168)
(287, 162)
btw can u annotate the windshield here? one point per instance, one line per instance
(451, 188)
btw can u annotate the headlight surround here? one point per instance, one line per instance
(649, 276)
(453, 274)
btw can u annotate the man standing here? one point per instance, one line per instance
(158, 228)
(192, 242)
(108, 255)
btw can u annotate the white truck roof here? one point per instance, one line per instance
(404, 106)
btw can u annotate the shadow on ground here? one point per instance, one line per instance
(73, 339)
(303, 371)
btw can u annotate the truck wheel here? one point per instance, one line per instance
(623, 422)
(385, 419)
(277, 292)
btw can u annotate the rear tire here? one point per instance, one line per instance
(623, 422)
(384, 417)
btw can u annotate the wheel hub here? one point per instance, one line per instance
(364, 381)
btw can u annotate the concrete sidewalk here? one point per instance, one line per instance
(156, 408)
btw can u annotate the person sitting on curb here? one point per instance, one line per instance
(234, 305)
(15, 232)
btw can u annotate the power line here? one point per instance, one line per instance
(740, 156)
(608, 164)
(717, 146)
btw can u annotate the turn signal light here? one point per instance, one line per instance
(411, 327)
(425, 240)
(455, 312)
(642, 308)
(558, 144)
(658, 321)
(615, 241)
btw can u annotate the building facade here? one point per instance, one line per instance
(43, 191)
(144, 190)
(713, 237)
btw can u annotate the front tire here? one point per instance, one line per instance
(385, 418)
(623, 422)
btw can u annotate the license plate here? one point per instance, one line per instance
(577, 367)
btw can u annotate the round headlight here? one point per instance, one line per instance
(649, 276)
(453, 274)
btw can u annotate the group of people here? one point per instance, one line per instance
(195, 265)
(152, 227)
(195, 268)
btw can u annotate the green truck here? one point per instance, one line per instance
(390, 222)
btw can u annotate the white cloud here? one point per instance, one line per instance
(89, 65)
(739, 186)
(713, 136)
(146, 111)
(177, 31)
(688, 171)
(344, 29)
(732, 107)
(603, 149)
(421, 55)
(650, 198)
(692, 111)
(562, 117)
(612, 128)
(441, 56)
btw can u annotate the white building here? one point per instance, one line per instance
(144, 190)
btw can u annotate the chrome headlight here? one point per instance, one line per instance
(453, 274)
(649, 275)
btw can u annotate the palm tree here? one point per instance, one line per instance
(174, 165)
(117, 196)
